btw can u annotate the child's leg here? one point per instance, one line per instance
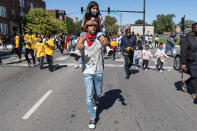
(143, 63)
(146, 64)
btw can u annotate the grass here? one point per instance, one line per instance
(164, 40)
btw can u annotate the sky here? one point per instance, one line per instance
(153, 7)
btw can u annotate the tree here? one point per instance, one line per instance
(164, 23)
(110, 25)
(187, 23)
(38, 20)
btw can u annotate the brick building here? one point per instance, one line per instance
(12, 14)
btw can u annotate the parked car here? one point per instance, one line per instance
(177, 61)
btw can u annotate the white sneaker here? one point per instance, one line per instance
(92, 124)
(161, 70)
(75, 53)
(76, 65)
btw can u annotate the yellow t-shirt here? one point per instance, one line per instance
(34, 38)
(17, 42)
(28, 38)
(114, 43)
(40, 47)
(49, 49)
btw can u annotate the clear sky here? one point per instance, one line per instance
(153, 7)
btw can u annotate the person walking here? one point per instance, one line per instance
(137, 56)
(49, 49)
(39, 52)
(189, 57)
(160, 54)
(146, 54)
(127, 47)
(92, 69)
(18, 46)
(114, 45)
(29, 48)
(171, 41)
(156, 41)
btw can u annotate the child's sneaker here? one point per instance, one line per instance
(75, 53)
(92, 124)
(146, 69)
(76, 65)
(161, 70)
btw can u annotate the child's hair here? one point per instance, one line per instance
(88, 12)
(160, 43)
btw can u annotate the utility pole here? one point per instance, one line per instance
(144, 21)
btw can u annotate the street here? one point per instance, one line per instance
(37, 100)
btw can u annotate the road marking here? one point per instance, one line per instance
(35, 107)
(62, 58)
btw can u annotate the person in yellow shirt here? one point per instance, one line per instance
(35, 38)
(39, 52)
(18, 46)
(114, 45)
(49, 47)
(29, 48)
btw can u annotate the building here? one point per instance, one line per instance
(60, 14)
(12, 13)
(75, 19)
(149, 29)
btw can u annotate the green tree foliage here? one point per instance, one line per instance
(140, 22)
(187, 23)
(39, 21)
(73, 28)
(110, 25)
(164, 23)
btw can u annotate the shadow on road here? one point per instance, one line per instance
(133, 71)
(108, 99)
(57, 67)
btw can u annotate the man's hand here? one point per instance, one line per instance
(80, 46)
(184, 67)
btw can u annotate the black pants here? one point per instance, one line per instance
(0, 61)
(114, 53)
(145, 63)
(61, 47)
(4, 45)
(41, 62)
(18, 52)
(128, 62)
(156, 44)
(31, 51)
(50, 61)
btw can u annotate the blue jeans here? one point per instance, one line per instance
(169, 47)
(136, 62)
(159, 64)
(93, 85)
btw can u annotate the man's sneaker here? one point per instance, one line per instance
(127, 76)
(29, 63)
(92, 124)
(161, 70)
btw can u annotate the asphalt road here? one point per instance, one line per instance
(38, 100)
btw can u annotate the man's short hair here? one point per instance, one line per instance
(193, 25)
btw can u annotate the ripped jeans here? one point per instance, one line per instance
(93, 86)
